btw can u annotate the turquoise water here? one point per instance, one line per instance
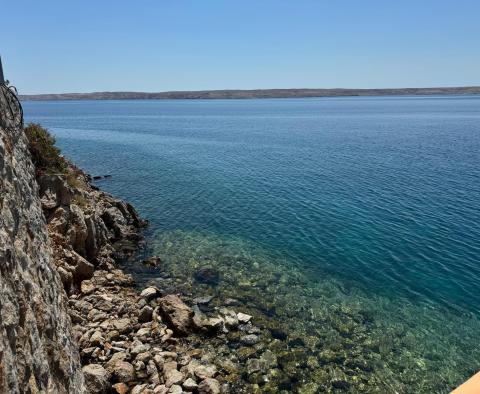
(350, 207)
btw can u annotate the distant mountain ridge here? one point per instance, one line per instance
(254, 94)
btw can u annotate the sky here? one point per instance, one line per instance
(53, 46)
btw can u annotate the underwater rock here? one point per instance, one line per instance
(202, 300)
(339, 379)
(153, 261)
(250, 339)
(243, 317)
(278, 334)
(208, 275)
(256, 365)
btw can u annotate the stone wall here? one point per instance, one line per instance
(37, 351)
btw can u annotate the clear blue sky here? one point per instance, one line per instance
(81, 46)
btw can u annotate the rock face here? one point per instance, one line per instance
(89, 228)
(37, 351)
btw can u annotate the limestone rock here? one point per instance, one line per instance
(38, 351)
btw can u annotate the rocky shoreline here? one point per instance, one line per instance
(132, 340)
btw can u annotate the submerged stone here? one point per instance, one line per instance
(209, 276)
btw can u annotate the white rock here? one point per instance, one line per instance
(149, 292)
(243, 317)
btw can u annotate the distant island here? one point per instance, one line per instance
(254, 94)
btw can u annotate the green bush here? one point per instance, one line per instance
(45, 155)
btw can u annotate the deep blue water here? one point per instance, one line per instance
(380, 192)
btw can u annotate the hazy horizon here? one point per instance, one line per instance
(254, 89)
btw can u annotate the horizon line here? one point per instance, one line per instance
(255, 93)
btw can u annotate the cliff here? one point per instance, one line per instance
(38, 353)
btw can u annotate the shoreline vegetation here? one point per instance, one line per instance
(253, 94)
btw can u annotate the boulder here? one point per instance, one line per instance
(123, 371)
(176, 314)
(96, 378)
(83, 269)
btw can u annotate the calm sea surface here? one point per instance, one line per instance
(379, 195)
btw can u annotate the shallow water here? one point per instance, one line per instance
(356, 219)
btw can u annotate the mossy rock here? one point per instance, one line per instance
(245, 352)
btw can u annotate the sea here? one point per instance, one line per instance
(348, 226)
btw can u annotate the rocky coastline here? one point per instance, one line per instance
(131, 340)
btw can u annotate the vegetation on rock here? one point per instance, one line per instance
(45, 155)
